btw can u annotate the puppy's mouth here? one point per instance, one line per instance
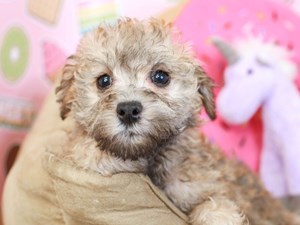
(130, 129)
(130, 134)
(133, 143)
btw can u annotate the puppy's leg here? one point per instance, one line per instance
(217, 211)
(194, 175)
(204, 199)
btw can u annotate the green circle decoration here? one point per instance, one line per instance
(14, 54)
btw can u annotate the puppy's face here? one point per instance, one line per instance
(132, 88)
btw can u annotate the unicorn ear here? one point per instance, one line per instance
(226, 50)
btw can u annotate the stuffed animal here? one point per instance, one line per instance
(260, 74)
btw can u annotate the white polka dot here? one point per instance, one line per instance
(14, 54)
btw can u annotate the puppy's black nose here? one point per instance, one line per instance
(129, 112)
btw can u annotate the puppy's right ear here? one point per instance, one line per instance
(65, 91)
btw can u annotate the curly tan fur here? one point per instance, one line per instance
(164, 143)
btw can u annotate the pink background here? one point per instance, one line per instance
(234, 19)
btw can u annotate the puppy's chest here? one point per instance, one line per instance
(166, 172)
(159, 169)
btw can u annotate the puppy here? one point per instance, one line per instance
(135, 93)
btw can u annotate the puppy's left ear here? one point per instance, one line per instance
(205, 88)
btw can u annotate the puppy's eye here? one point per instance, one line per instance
(160, 78)
(104, 81)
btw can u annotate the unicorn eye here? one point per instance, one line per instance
(250, 71)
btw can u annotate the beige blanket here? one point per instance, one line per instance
(43, 188)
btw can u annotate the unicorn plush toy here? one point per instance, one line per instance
(260, 74)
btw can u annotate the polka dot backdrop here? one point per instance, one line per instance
(35, 39)
(233, 19)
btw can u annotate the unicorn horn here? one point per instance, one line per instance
(226, 50)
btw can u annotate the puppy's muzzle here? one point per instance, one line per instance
(129, 112)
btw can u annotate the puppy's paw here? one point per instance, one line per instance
(217, 211)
